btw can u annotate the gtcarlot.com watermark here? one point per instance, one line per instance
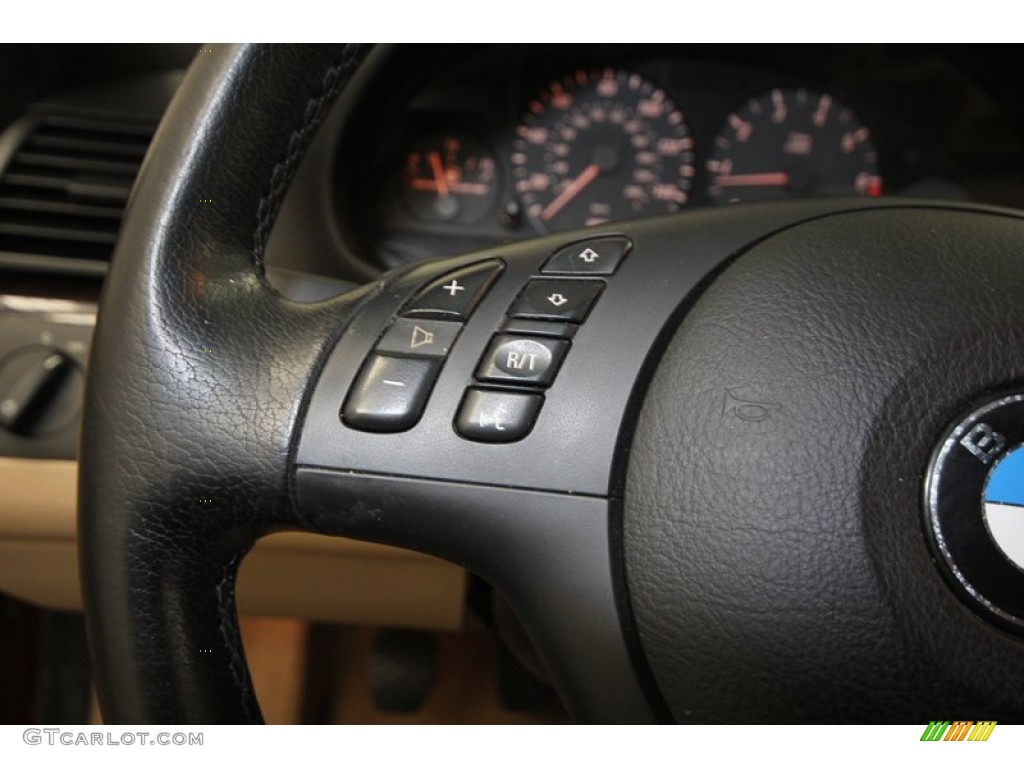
(69, 738)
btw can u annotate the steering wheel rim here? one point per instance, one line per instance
(212, 419)
(162, 296)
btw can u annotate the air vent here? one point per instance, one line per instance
(64, 189)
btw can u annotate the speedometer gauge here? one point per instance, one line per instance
(600, 145)
(792, 143)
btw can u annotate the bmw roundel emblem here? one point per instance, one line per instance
(1004, 505)
(974, 509)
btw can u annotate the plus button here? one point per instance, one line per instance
(453, 287)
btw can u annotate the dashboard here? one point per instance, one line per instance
(485, 145)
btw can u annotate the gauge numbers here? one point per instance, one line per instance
(792, 143)
(601, 145)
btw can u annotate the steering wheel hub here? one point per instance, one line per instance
(777, 561)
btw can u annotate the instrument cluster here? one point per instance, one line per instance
(504, 147)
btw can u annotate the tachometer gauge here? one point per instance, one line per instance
(792, 143)
(600, 145)
(449, 178)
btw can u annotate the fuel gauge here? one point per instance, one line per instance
(449, 178)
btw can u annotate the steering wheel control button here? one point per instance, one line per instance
(568, 300)
(390, 393)
(974, 500)
(597, 256)
(420, 338)
(497, 417)
(522, 360)
(540, 328)
(455, 296)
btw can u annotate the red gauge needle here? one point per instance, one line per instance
(439, 176)
(452, 187)
(590, 173)
(780, 179)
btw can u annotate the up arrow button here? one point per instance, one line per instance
(597, 256)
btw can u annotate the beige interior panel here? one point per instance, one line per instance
(37, 498)
(41, 572)
(276, 652)
(287, 574)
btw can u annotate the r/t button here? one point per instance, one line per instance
(522, 360)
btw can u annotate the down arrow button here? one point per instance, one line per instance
(557, 299)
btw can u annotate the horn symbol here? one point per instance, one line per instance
(747, 410)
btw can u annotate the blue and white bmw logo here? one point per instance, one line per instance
(974, 509)
(1004, 505)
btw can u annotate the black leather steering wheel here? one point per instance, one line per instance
(698, 479)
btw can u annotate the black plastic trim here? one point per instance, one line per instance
(546, 552)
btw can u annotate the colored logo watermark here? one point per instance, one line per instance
(959, 730)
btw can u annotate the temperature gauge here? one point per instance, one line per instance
(792, 143)
(449, 178)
